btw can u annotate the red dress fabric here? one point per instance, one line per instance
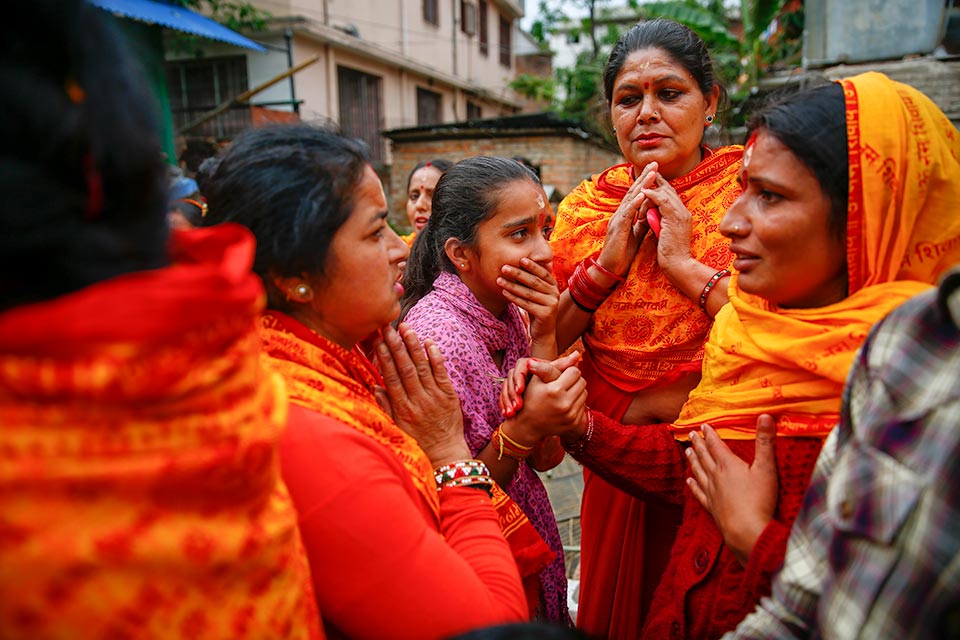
(705, 591)
(383, 564)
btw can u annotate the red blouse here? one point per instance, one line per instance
(705, 591)
(382, 566)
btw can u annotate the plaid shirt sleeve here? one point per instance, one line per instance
(875, 551)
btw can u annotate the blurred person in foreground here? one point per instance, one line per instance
(140, 492)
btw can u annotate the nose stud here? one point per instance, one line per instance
(736, 228)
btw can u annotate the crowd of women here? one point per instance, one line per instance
(293, 422)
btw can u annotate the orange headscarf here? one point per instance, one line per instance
(646, 331)
(902, 233)
(140, 490)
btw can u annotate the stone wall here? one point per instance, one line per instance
(938, 78)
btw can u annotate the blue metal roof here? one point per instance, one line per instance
(174, 17)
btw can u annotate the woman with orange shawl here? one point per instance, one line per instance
(846, 213)
(403, 538)
(140, 492)
(642, 300)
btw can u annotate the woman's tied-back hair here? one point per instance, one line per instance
(466, 195)
(812, 124)
(81, 172)
(439, 164)
(681, 43)
(293, 186)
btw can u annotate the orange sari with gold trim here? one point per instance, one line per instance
(326, 378)
(902, 234)
(140, 491)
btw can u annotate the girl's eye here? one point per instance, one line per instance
(546, 231)
(413, 196)
(519, 234)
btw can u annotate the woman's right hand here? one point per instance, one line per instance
(554, 401)
(628, 225)
(421, 395)
(511, 392)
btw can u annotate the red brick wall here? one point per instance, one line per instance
(564, 161)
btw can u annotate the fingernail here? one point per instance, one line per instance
(688, 452)
(692, 433)
(382, 349)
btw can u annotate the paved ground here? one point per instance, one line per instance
(564, 485)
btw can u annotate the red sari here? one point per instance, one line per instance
(645, 335)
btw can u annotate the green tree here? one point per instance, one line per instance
(741, 62)
(236, 15)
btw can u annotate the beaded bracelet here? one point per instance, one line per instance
(578, 447)
(459, 469)
(480, 482)
(707, 288)
(509, 446)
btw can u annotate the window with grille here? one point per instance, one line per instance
(361, 108)
(506, 45)
(429, 105)
(474, 112)
(431, 11)
(468, 17)
(483, 33)
(198, 85)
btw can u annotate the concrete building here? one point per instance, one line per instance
(381, 64)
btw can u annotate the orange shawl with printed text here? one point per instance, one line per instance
(647, 331)
(140, 490)
(903, 231)
(334, 382)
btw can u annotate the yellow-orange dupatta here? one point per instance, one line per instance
(902, 233)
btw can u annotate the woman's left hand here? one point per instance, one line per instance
(741, 497)
(534, 289)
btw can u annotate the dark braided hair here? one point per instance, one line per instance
(466, 195)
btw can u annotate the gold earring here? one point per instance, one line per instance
(302, 292)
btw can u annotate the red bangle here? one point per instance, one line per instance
(586, 292)
(592, 260)
(707, 288)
